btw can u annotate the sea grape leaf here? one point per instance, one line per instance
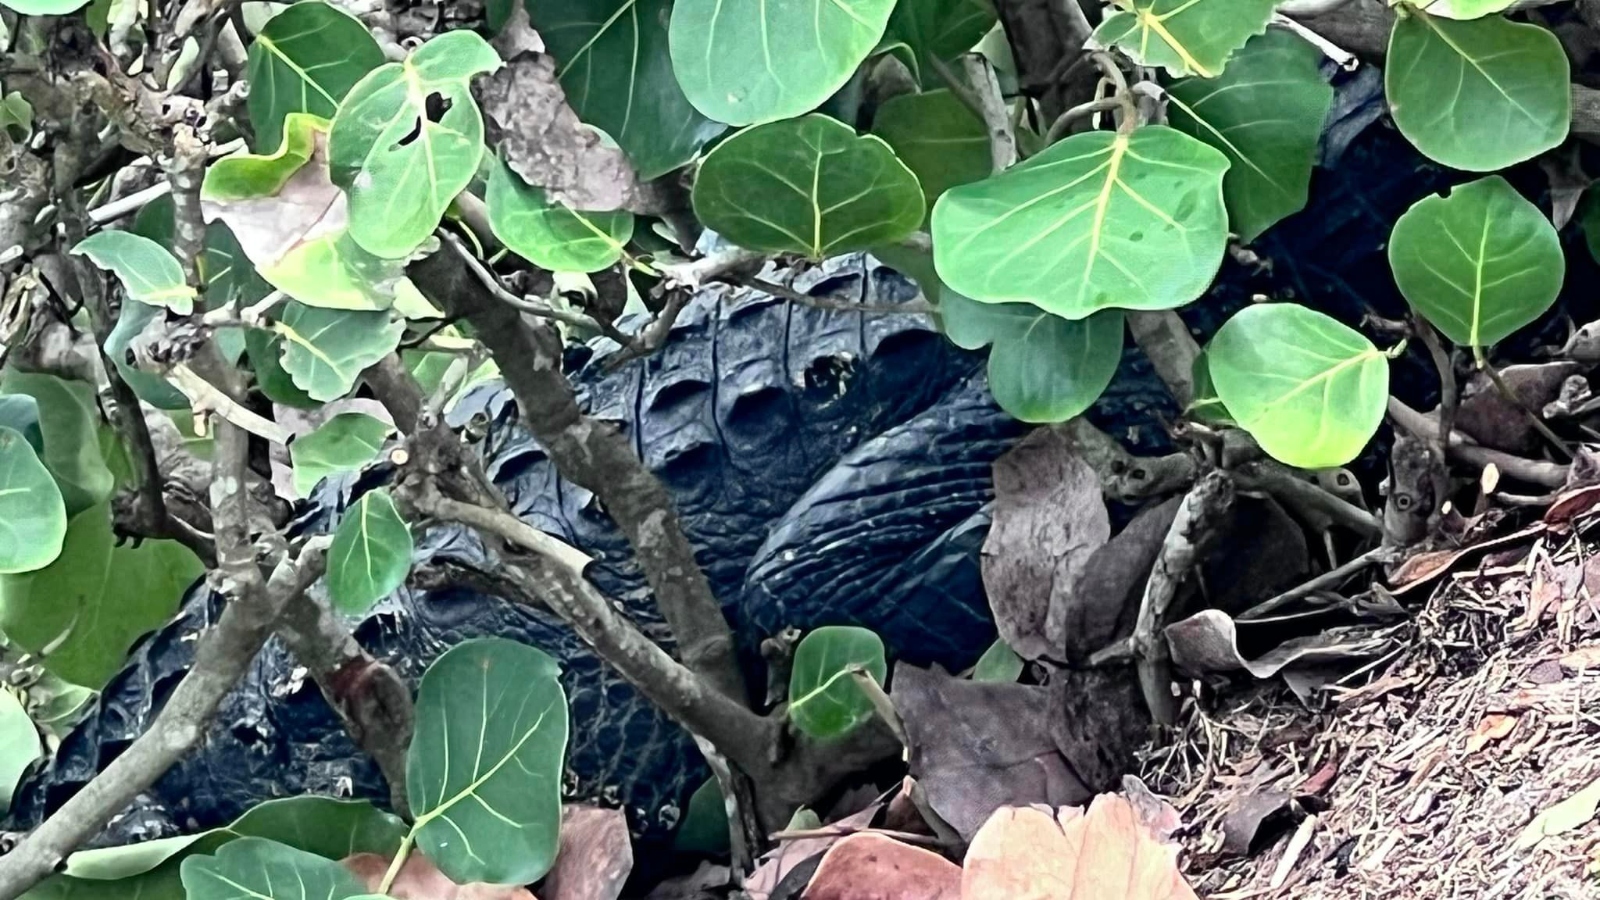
(1265, 113)
(19, 746)
(704, 828)
(999, 663)
(938, 139)
(1043, 368)
(1466, 9)
(1309, 389)
(325, 350)
(747, 63)
(371, 554)
(292, 222)
(305, 60)
(824, 700)
(44, 7)
(69, 420)
(20, 413)
(1186, 37)
(547, 233)
(810, 186)
(151, 388)
(617, 72)
(264, 349)
(1508, 98)
(97, 598)
(344, 443)
(1479, 263)
(484, 770)
(938, 29)
(33, 520)
(1206, 405)
(258, 869)
(399, 167)
(149, 274)
(1097, 220)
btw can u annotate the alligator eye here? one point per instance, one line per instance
(1402, 502)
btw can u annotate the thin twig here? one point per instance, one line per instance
(913, 307)
(954, 84)
(123, 206)
(1532, 471)
(1329, 579)
(206, 397)
(531, 307)
(1059, 127)
(1341, 57)
(1449, 394)
(992, 110)
(1107, 64)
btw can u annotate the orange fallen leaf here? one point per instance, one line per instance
(871, 866)
(596, 855)
(1491, 727)
(1025, 853)
(420, 879)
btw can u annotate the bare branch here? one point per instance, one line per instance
(992, 106)
(1532, 471)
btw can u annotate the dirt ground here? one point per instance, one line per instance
(1437, 770)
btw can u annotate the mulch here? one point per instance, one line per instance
(1429, 771)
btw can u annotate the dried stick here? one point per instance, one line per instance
(1192, 530)
(1532, 471)
(1328, 579)
(992, 110)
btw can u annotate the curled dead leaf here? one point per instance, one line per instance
(874, 867)
(595, 858)
(1490, 728)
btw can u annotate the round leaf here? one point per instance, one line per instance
(33, 520)
(149, 274)
(305, 60)
(20, 413)
(484, 769)
(1186, 37)
(259, 869)
(937, 137)
(750, 62)
(1043, 368)
(1478, 264)
(1265, 113)
(19, 746)
(344, 443)
(824, 700)
(400, 168)
(939, 29)
(617, 72)
(809, 186)
(1309, 389)
(1508, 94)
(999, 664)
(1466, 9)
(69, 420)
(547, 233)
(325, 350)
(1097, 220)
(371, 554)
(82, 612)
(264, 350)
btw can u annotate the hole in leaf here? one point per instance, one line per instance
(434, 107)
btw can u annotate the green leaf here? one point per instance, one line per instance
(344, 443)
(1186, 37)
(617, 73)
(371, 554)
(1466, 9)
(264, 350)
(937, 137)
(20, 413)
(19, 745)
(824, 700)
(746, 63)
(85, 610)
(259, 869)
(1309, 389)
(400, 168)
(304, 61)
(69, 419)
(325, 350)
(704, 830)
(1043, 368)
(549, 234)
(1508, 100)
(44, 7)
(152, 389)
(1206, 405)
(999, 664)
(1478, 264)
(809, 186)
(1097, 220)
(484, 769)
(246, 176)
(322, 826)
(1589, 221)
(938, 29)
(147, 271)
(33, 520)
(1265, 113)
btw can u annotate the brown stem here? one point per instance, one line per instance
(992, 109)
(1532, 471)
(1171, 349)
(598, 457)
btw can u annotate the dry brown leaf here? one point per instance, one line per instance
(873, 867)
(1494, 421)
(1049, 518)
(1562, 817)
(1424, 567)
(1571, 504)
(420, 879)
(1106, 601)
(788, 855)
(1208, 641)
(595, 858)
(1256, 820)
(1025, 853)
(1490, 728)
(1581, 659)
